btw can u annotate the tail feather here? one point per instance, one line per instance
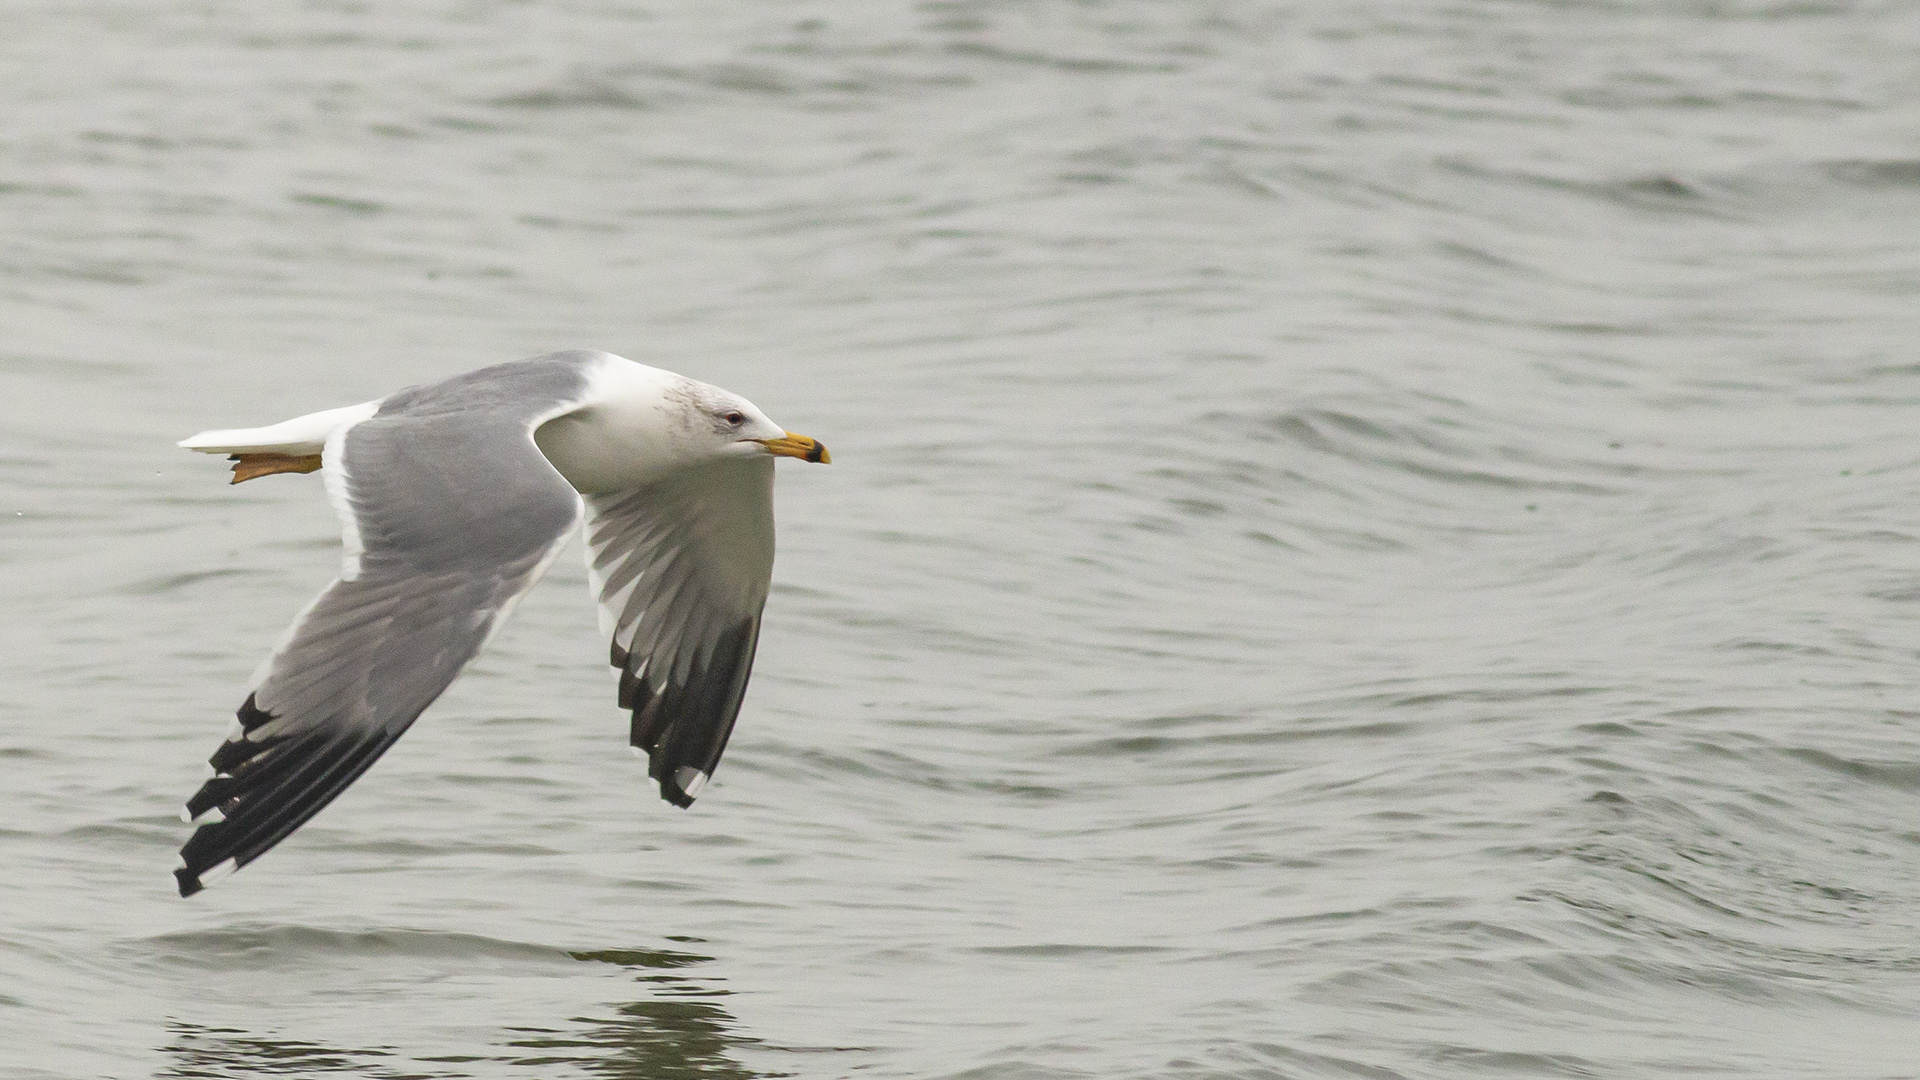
(298, 437)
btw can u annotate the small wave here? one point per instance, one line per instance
(892, 767)
(1034, 58)
(1058, 951)
(1901, 775)
(1152, 745)
(1659, 191)
(1760, 192)
(407, 847)
(1662, 94)
(261, 945)
(140, 833)
(1431, 448)
(166, 583)
(1773, 190)
(1482, 1062)
(1876, 174)
(65, 368)
(339, 202)
(576, 93)
(807, 76)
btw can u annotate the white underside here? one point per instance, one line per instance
(333, 474)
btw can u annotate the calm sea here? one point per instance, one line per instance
(1367, 540)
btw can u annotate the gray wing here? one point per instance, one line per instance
(451, 514)
(680, 569)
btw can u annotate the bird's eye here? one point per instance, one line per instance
(734, 418)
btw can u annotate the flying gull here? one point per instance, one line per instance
(454, 498)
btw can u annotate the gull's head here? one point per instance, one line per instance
(640, 423)
(725, 424)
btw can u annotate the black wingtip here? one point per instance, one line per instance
(681, 786)
(671, 790)
(189, 881)
(682, 729)
(251, 715)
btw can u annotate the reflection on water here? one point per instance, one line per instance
(659, 1037)
(656, 1038)
(651, 1039)
(205, 1052)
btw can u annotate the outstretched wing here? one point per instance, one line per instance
(681, 568)
(450, 513)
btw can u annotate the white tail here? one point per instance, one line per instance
(298, 436)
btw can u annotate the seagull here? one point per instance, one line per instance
(454, 497)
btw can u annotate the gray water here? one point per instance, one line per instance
(1366, 540)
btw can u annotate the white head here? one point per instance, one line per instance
(718, 423)
(640, 423)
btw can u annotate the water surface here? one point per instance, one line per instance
(1366, 539)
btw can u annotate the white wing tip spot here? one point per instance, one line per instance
(217, 871)
(690, 779)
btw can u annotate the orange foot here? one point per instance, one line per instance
(249, 466)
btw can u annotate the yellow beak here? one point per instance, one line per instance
(792, 445)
